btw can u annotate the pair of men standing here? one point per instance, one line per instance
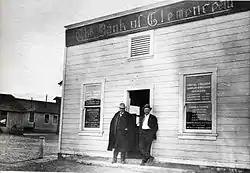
(122, 131)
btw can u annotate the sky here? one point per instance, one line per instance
(32, 41)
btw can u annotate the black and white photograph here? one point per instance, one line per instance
(133, 86)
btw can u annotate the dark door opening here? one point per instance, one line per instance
(137, 99)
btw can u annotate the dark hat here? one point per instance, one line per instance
(147, 106)
(122, 105)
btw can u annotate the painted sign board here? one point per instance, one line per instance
(199, 116)
(198, 88)
(92, 95)
(92, 117)
(198, 101)
(181, 12)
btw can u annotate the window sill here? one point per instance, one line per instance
(140, 57)
(91, 133)
(198, 136)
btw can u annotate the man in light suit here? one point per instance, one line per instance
(148, 128)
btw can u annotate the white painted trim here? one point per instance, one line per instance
(197, 134)
(214, 101)
(123, 13)
(181, 103)
(102, 106)
(184, 105)
(91, 131)
(62, 100)
(197, 70)
(81, 107)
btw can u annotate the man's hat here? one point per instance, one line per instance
(122, 105)
(147, 106)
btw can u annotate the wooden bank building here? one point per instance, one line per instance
(188, 59)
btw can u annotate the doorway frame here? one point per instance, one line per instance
(151, 100)
(136, 88)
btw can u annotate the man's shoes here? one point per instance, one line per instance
(151, 159)
(114, 161)
(115, 153)
(123, 157)
(123, 162)
(142, 163)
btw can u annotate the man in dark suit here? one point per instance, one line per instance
(148, 129)
(121, 130)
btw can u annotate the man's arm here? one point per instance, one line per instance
(154, 124)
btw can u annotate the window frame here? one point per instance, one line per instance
(151, 53)
(4, 113)
(45, 118)
(196, 133)
(33, 117)
(85, 130)
(54, 118)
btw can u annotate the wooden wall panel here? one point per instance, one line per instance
(221, 42)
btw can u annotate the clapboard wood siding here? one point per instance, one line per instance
(175, 57)
(222, 42)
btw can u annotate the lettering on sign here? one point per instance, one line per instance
(199, 116)
(92, 95)
(92, 117)
(198, 101)
(198, 88)
(180, 12)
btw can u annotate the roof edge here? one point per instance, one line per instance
(123, 13)
(35, 100)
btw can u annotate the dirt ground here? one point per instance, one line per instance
(70, 166)
(19, 148)
(16, 149)
(73, 166)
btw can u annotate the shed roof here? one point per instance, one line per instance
(9, 103)
(40, 106)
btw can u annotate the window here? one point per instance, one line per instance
(198, 105)
(141, 45)
(55, 119)
(91, 107)
(3, 118)
(31, 117)
(46, 118)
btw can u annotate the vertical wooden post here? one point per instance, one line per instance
(41, 148)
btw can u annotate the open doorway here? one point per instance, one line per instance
(136, 100)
